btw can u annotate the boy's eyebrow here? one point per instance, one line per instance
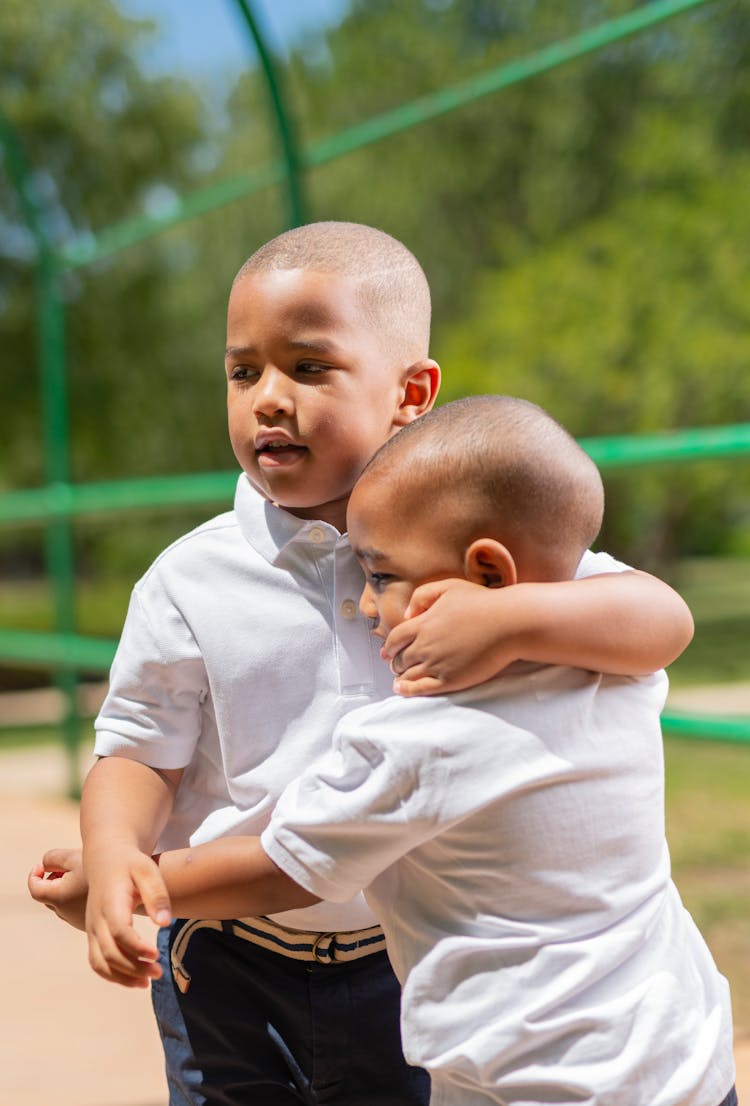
(370, 554)
(312, 345)
(315, 345)
(235, 351)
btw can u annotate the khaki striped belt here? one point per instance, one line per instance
(296, 944)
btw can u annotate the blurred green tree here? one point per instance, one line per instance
(581, 231)
(102, 141)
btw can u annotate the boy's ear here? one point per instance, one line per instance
(420, 388)
(489, 563)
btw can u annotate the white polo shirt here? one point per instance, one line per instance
(242, 648)
(511, 838)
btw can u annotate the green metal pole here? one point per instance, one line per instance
(53, 383)
(60, 555)
(284, 122)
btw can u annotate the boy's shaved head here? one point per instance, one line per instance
(394, 292)
(495, 466)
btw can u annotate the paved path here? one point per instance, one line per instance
(68, 1038)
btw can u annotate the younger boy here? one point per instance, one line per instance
(243, 648)
(509, 838)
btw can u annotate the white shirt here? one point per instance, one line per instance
(242, 648)
(511, 838)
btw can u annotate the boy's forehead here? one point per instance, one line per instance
(370, 507)
(321, 297)
(305, 308)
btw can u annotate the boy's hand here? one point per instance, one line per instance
(458, 634)
(452, 638)
(121, 879)
(59, 884)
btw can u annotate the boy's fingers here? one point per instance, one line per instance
(130, 947)
(425, 685)
(41, 889)
(424, 596)
(61, 860)
(122, 980)
(124, 953)
(114, 970)
(399, 639)
(36, 883)
(155, 897)
(427, 595)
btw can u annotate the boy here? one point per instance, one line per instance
(510, 838)
(243, 648)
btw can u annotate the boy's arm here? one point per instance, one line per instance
(228, 878)
(124, 807)
(459, 634)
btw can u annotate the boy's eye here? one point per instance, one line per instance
(242, 373)
(379, 580)
(310, 368)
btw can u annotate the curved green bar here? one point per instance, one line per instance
(284, 122)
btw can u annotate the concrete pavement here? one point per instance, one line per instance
(67, 1038)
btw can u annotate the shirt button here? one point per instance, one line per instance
(316, 535)
(349, 609)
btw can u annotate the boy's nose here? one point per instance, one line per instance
(273, 393)
(367, 603)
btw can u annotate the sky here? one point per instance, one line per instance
(209, 39)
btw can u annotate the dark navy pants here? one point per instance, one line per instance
(259, 1029)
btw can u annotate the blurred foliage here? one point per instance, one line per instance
(583, 231)
(708, 829)
(635, 323)
(100, 139)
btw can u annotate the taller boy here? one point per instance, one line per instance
(243, 647)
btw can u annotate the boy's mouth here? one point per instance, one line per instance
(275, 453)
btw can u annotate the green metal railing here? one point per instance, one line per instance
(58, 502)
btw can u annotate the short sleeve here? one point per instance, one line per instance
(355, 812)
(597, 564)
(158, 682)
(400, 773)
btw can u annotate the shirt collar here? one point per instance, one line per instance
(271, 530)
